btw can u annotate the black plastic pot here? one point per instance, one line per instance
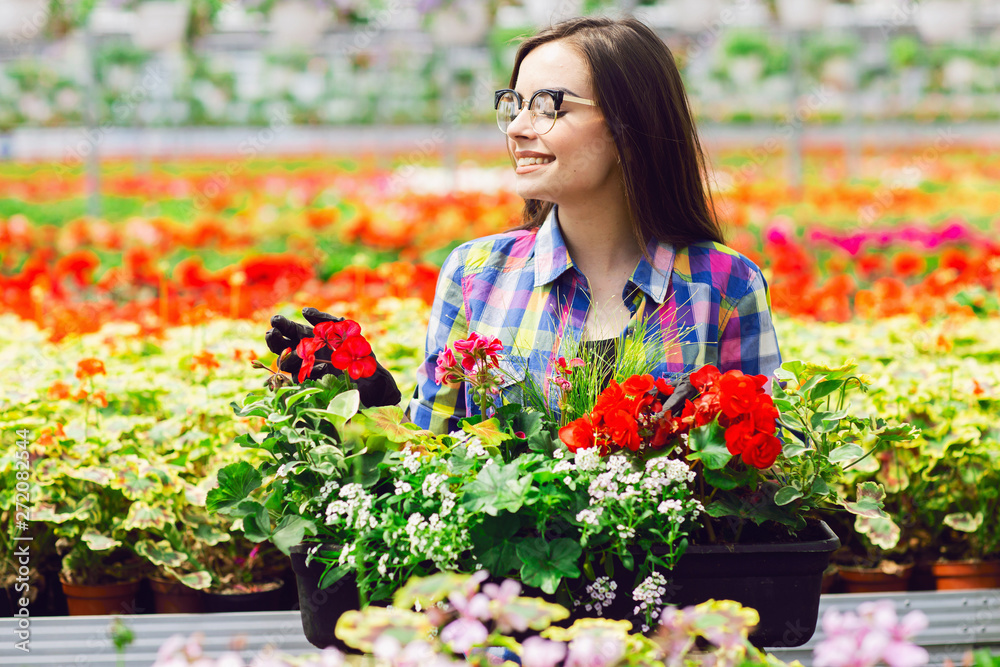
(321, 607)
(781, 581)
(273, 599)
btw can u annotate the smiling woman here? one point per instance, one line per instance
(619, 230)
(619, 235)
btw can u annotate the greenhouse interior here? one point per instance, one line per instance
(311, 357)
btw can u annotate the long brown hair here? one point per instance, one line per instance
(639, 90)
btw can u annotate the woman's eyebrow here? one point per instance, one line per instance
(563, 89)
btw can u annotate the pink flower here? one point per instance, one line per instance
(463, 633)
(872, 635)
(503, 593)
(478, 347)
(445, 371)
(538, 652)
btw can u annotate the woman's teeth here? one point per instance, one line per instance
(525, 161)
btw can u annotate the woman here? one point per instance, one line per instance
(618, 226)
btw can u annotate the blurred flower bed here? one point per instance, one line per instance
(186, 243)
(129, 336)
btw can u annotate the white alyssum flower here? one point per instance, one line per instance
(354, 508)
(590, 516)
(588, 459)
(602, 593)
(401, 486)
(670, 505)
(563, 466)
(649, 593)
(475, 449)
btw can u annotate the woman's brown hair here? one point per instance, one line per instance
(639, 90)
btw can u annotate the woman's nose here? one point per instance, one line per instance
(521, 125)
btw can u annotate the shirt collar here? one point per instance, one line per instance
(551, 256)
(552, 260)
(653, 278)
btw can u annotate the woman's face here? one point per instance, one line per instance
(579, 161)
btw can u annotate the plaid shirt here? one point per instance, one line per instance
(523, 288)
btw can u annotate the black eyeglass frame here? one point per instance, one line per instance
(557, 99)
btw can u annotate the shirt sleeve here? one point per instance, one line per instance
(747, 341)
(433, 406)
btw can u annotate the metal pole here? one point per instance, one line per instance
(93, 164)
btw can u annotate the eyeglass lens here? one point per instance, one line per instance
(542, 113)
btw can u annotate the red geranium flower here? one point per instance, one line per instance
(738, 392)
(704, 376)
(761, 450)
(623, 430)
(578, 434)
(638, 385)
(90, 367)
(307, 349)
(355, 357)
(335, 333)
(737, 436)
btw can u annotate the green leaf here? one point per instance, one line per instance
(161, 553)
(142, 515)
(199, 580)
(880, 531)
(845, 453)
(256, 521)
(498, 487)
(870, 501)
(290, 531)
(786, 494)
(964, 522)
(544, 564)
(295, 398)
(793, 449)
(707, 447)
(723, 479)
(824, 389)
(390, 420)
(345, 405)
(488, 432)
(97, 542)
(236, 482)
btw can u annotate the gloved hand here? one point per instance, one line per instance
(683, 391)
(379, 389)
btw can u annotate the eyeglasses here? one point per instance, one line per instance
(543, 107)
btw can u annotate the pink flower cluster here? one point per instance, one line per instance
(872, 635)
(478, 354)
(915, 235)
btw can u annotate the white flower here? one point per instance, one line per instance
(476, 449)
(588, 459)
(590, 516)
(670, 505)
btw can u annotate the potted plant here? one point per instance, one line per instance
(523, 492)
(246, 577)
(180, 553)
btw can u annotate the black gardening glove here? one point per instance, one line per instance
(379, 389)
(683, 391)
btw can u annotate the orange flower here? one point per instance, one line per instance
(59, 391)
(100, 398)
(205, 359)
(79, 264)
(89, 367)
(906, 264)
